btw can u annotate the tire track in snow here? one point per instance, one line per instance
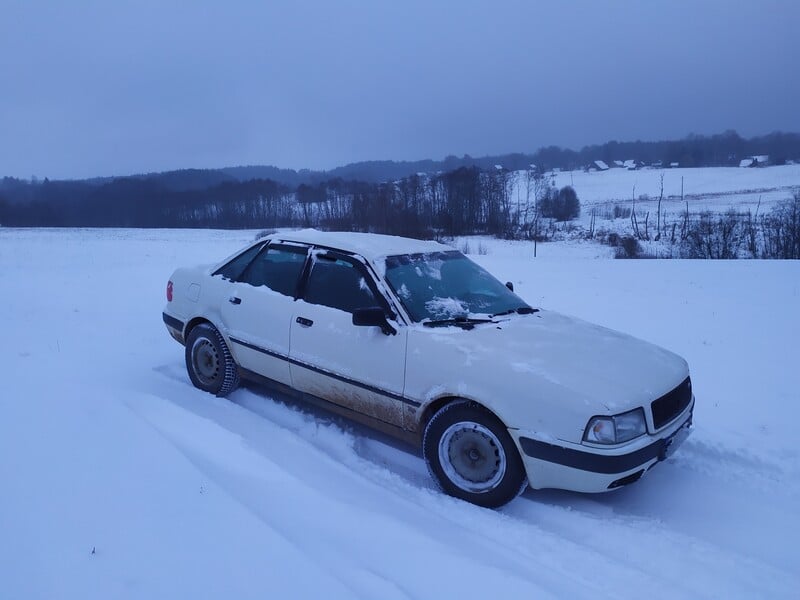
(712, 554)
(554, 523)
(380, 511)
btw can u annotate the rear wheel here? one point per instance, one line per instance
(471, 455)
(209, 361)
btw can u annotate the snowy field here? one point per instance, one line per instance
(121, 480)
(617, 184)
(714, 189)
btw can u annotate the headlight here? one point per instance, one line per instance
(616, 429)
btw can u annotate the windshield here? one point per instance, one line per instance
(447, 285)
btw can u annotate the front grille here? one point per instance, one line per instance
(671, 404)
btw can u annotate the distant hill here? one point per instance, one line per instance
(724, 149)
(288, 177)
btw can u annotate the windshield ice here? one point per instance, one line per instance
(447, 285)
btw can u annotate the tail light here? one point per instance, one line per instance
(169, 291)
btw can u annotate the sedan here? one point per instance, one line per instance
(414, 339)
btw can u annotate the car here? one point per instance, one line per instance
(416, 340)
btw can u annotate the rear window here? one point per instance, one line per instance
(233, 270)
(276, 267)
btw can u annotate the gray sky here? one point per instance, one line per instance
(119, 87)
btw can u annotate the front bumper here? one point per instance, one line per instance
(583, 469)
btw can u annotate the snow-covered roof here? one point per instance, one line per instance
(371, 246)
(754, 161)
(601, 165)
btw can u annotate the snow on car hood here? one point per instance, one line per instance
(525, 363)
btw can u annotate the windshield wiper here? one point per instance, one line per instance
(522, 310)
(461, 321)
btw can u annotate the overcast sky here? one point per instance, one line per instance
(119, 87)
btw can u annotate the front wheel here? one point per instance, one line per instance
(209, 362)
(471, 455)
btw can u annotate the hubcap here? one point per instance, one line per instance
(205, 360)
(472, 457)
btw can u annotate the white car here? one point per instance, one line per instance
(414, 339)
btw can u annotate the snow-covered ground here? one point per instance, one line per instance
(617, 184)
(118, 479)
(711, 189)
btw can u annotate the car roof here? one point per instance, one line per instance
(371, 246)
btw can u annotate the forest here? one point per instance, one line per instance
(462, 201)
(420, 199)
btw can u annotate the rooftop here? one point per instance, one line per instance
(372, 246)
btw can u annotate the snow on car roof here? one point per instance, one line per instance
(371, 246)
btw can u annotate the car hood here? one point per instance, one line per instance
(525, 362)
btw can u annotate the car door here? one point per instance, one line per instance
(258, 310)
(360, 368)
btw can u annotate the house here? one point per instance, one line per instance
(674, 165)
(617, 164)
(633, 164)
(598, 165)
(761, 160)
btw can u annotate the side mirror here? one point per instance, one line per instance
(373, 317)
(510, 285)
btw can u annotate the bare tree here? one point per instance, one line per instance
(660, 198)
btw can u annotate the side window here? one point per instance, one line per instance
(278, 268)
(233, 270)
(339, 284)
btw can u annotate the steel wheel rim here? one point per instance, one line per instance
(472, 457)
(205, 361)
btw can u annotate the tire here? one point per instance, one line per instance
(209, 362)
(471, 456)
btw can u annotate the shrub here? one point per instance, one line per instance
(781, 230)
(628, 247)
(623, 212)
(561, 205)
(714, 236)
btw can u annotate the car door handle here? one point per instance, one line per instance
(234, 300)
(304, 322)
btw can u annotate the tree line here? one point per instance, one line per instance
(719, 150)
(463, 201)
(725, 149)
